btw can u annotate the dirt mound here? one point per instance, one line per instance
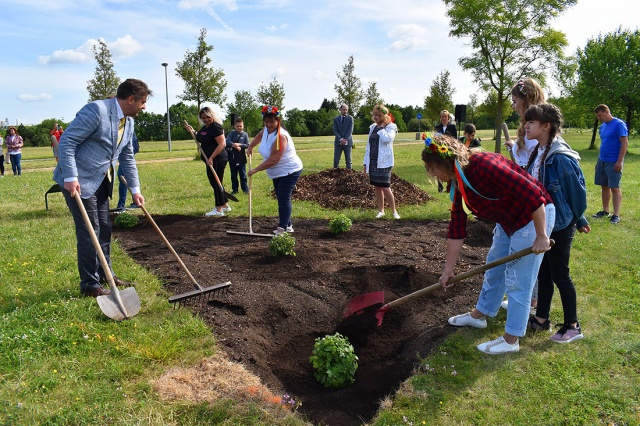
(346, 188)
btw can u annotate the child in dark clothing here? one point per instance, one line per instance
(237, 143)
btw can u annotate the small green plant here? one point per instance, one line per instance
(126, 220)
(282, 245)
(334, 361)
(340, 224)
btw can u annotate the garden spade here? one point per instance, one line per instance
(215, 175)
(117, 305)
(364, 302)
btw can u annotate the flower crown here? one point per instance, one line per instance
(442, 149)
(270, 109)
(521, 87)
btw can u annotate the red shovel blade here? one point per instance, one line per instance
(380, 313)
(356, 305)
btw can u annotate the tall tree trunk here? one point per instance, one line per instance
(498, 125)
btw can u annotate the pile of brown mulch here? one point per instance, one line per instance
(345, 188)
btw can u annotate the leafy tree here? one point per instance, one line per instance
(202, 83)
(296, 123)
(246, 107)
(439, 98)
(472, 105)
(320, 123)
(105, 82)
(151, 127)
(349, 90)
(273, 94)
(371, 98)
(179, 113)
(329, 105)
(511, 39)
(608, 70)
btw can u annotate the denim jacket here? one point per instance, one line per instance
(563, 179)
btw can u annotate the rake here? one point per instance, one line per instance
(201, 295)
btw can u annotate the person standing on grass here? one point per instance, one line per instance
(492, 187)
(445, 127)
(378, 158)
(1, 156)
(343, 142)
(281, 163)
(14, 144)
(557, 166)
(213, 144)
(615, 141)
(99, 137)
(237, 143)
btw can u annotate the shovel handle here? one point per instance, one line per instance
(215, 175)
(103, 259)
(462, 276)
(173, 252)
(250, 202)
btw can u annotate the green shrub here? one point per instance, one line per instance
(340, 224)
(282, 245)
(126, 220)
(334, 361)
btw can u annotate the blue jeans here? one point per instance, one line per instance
(283, 187)
(236, 169)
(337, 153)
(15, 163)
(515, 278)
(122, 190)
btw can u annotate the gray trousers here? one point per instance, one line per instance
(337, 153)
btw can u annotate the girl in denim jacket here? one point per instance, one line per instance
(556, 165)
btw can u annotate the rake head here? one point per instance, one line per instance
(199, 296)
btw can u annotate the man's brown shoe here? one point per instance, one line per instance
(95, 292)
(119, 282)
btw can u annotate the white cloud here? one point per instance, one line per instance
(67, 56)
(42, 97)
(124, 47)
(408, 37)
(230, 5)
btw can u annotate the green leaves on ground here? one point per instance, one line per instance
(334, 361)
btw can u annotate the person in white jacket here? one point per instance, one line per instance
(378, 158)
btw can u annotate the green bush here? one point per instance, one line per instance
(334, 361)
(282, 245)
(340, 224)
(126, 220)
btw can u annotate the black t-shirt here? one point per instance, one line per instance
(207, 138)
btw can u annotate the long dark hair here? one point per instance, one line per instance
(544, 113)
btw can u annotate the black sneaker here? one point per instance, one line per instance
(614, 219)
(536, 325)
(600, 214)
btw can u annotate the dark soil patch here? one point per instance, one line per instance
(276, 307)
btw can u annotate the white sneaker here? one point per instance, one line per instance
(499, 346)
(396, 215)
(279, 231)
(214, 213)
(226, 209)
(379, 215)
(289, 229)
(467, 319)
(505, 304)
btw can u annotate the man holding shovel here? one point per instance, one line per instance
(99, 137)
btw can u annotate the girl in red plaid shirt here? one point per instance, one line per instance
(489, 186)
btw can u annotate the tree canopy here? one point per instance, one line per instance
(271, 94)
(440, 96)
(202, 82)
(246, 107)
(349, 90)
(511, 39)
(105, 81)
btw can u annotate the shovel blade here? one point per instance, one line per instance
(111, 308)
(363, 301)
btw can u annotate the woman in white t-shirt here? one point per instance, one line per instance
(525, 92)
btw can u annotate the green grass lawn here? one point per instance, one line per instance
(65, 363)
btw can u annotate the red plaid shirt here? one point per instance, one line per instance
(517, 194)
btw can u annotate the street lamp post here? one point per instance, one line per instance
(166, 88)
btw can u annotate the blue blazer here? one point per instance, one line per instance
(343, 130)
(88, 147)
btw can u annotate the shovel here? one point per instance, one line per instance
(117, 305)
(359, 304)
(250, 233)
(215, 175)
(199, 291)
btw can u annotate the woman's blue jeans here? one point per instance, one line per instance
(283, 187)
(515, 278)
(15, 163)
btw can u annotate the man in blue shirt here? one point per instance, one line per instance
(615, 140)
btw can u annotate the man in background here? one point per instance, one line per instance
(342, 130)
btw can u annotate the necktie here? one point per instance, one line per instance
(121, 127)
(342, 120)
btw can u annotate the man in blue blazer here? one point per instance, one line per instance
(343, 130)
(99, 137)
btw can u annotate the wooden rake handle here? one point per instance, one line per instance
(169, 246)
(463, 276)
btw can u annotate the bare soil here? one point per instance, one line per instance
(276, 307)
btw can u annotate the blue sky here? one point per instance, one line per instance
(403, 45)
